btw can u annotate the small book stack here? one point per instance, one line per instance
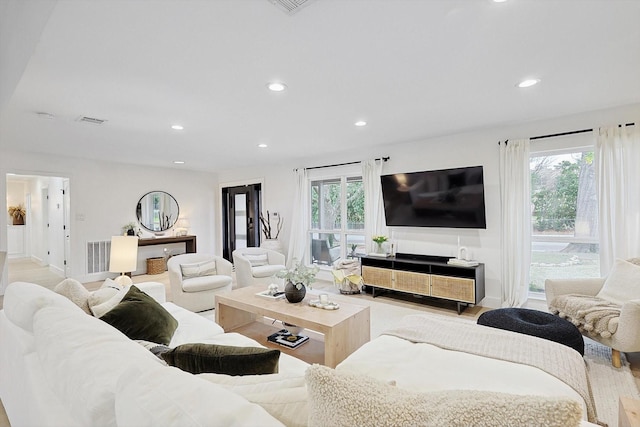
(462, 262)
(284, 338)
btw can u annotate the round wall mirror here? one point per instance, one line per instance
(157, 211)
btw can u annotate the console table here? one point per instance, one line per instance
(189, 242)
(425, 275)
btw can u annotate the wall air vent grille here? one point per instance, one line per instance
(92, 120)
(290, 6)
(98, 254)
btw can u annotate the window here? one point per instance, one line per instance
(564, 216)
(337, 219)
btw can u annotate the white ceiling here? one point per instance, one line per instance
(412, 69)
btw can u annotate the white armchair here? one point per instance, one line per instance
(196, 278)
(627, 336)
(257, 266)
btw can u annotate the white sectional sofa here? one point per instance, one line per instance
(60, 366)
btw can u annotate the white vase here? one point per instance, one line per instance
(273, 244)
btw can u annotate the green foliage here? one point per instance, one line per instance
(555, 194)
(326, 209)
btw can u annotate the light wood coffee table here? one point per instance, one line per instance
(344, 330)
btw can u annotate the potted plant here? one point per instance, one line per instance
(297, 279)
(380, 239)
(18, 214)
(129, 229)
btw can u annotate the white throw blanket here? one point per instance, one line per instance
(594, 315)
(562, 362)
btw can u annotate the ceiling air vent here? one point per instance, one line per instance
(290, 6)
(91, 120)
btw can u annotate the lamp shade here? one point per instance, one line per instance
(124, 254)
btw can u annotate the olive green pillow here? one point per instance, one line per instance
(223, 359)
(140, 317)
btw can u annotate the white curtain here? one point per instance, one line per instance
(373, 205)
(515, 184)
(617, 159)
(300, 218)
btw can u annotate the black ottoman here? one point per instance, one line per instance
(536, 323)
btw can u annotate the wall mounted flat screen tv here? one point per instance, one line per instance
(452, 198)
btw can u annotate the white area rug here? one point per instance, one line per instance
(608, 383)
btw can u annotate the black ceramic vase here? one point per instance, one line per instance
(294, 294)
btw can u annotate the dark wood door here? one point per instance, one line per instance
(241, 218)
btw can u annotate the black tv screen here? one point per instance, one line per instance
(451, 198)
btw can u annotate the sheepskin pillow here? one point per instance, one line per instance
(622, 283)
(342, 399)
(76, 292)
(140, 317)
(223, 359)
(198, 269)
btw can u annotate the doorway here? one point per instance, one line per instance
(241, 207)
(38, 251)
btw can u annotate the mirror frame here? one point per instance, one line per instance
(171, 219)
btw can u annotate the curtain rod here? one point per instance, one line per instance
(573, 132)
(384, 159)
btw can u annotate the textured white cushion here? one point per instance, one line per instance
(82, 358)
(266, 270)
(76, 292)
(22, 300)
(257, 259)
(342, 399)
(284, 396)
(170, 397)
(99, 310)
(205, 283)
(622, 283)
(198, 269)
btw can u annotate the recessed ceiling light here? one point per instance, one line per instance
(528, 82)
(276, 86)
(360, 123)
(499, 1)
(178, 162)
(262, 145)
(177, 127)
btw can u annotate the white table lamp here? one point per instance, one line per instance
(123, 258)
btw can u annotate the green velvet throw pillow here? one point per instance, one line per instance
(223, 359)
(140, 317)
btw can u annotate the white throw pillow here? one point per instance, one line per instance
(198, 269)
(337, 398)
(168, 396)
(76, 292)
(257, 260)
(107, 305)
(622, 283)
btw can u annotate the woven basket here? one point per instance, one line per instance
(155, 265)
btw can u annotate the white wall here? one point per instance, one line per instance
(104, 197)
(478, 147)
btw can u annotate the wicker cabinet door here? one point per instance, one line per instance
(415, 283)
(454, 288)
(375, 276)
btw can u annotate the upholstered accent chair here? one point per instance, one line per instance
(607, 310)
(257, 266)
(321, 253)
(196, 278)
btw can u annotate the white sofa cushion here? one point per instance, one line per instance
(22, 300)
(257, 259)
(345, 399)
(170, 397)
(266, 270)
(205, 283)
(82, 358)
(622, 283)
